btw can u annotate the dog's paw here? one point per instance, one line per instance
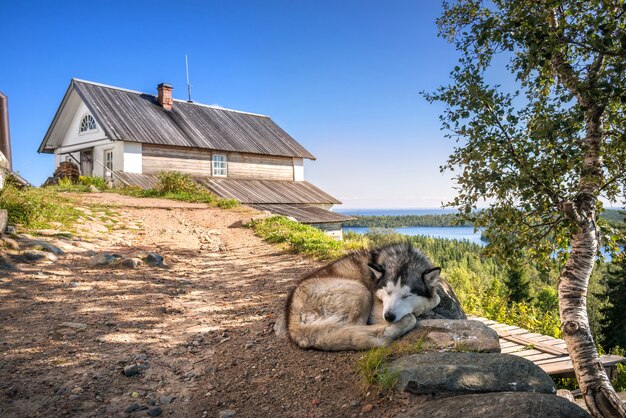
(406, 324)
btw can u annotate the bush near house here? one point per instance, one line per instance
(179, 186)
(33, 207)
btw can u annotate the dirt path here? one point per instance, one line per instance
(201, 328)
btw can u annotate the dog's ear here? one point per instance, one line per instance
(377, 270)
(431, 276)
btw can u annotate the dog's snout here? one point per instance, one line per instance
(390, 317)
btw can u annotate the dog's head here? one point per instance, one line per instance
(406, 281)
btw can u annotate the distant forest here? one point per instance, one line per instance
(614, 217)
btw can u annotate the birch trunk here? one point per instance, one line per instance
(599, 395)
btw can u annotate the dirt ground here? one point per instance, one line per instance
(201, 328)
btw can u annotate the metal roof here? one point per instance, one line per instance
(127, 115)
(261, 195)
(305, 214)
(247, 191)
(267, 191)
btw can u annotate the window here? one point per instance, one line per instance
(108, 162)
(219, 165)
(87, 124)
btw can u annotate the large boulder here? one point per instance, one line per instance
(498, 405)
(449, 307)
(459, 335)
(450, 374)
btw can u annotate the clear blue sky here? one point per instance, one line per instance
(342, 77)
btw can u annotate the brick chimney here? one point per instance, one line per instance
(165, 95)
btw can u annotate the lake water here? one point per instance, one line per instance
(448, 232)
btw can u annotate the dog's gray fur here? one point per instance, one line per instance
(363, 300)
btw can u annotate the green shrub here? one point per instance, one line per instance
(33, 207)
(178, 186)
(299, 237)
(227, 203)
(99, 182)
(175, 182)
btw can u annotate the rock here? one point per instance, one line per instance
(151, 399)
(10, 230)
(93, 189)
(154, 259)
(280, 330)
(53, 233)
(155, 411)
(466, 373)
(367, 408)
(564, 393)
(131, 370)
(226, 413)
(497, 405)
(131, 263)
(5, 264)
(134, 394)
(10, 243)
(166, 399)
(103, 259)
(4, 220)
(133, 407)
(44, 246)
(459, 335)
(449, 307)
(30, 256)
(76, 326)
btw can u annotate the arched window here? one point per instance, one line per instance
(87, 124)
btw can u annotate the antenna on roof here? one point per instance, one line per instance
(188, 83)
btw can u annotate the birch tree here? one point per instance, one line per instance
(537, 108)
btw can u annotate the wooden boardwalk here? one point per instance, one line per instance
(546, 352)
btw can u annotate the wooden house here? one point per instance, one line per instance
(129, 137)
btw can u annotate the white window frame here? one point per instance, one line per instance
(108, 171)
(88, 131)
(219, 165)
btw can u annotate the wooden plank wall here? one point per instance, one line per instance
(197, 162)
(259, 166)
(157, 158)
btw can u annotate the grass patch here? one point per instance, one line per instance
(81, 186)
(33, 207)
(178, 186)
(298, 237)
(372, 364)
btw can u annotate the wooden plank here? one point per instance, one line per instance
(524, 353)
(512, 350)
(517, 332)
(560, 367)
(541, 356)
(552, 349)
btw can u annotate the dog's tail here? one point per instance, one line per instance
(332, 334)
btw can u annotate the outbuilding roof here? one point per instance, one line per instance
(127, 115)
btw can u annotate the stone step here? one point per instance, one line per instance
(450, 374)
(498, 405)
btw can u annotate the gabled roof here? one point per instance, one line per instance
(127, 115)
